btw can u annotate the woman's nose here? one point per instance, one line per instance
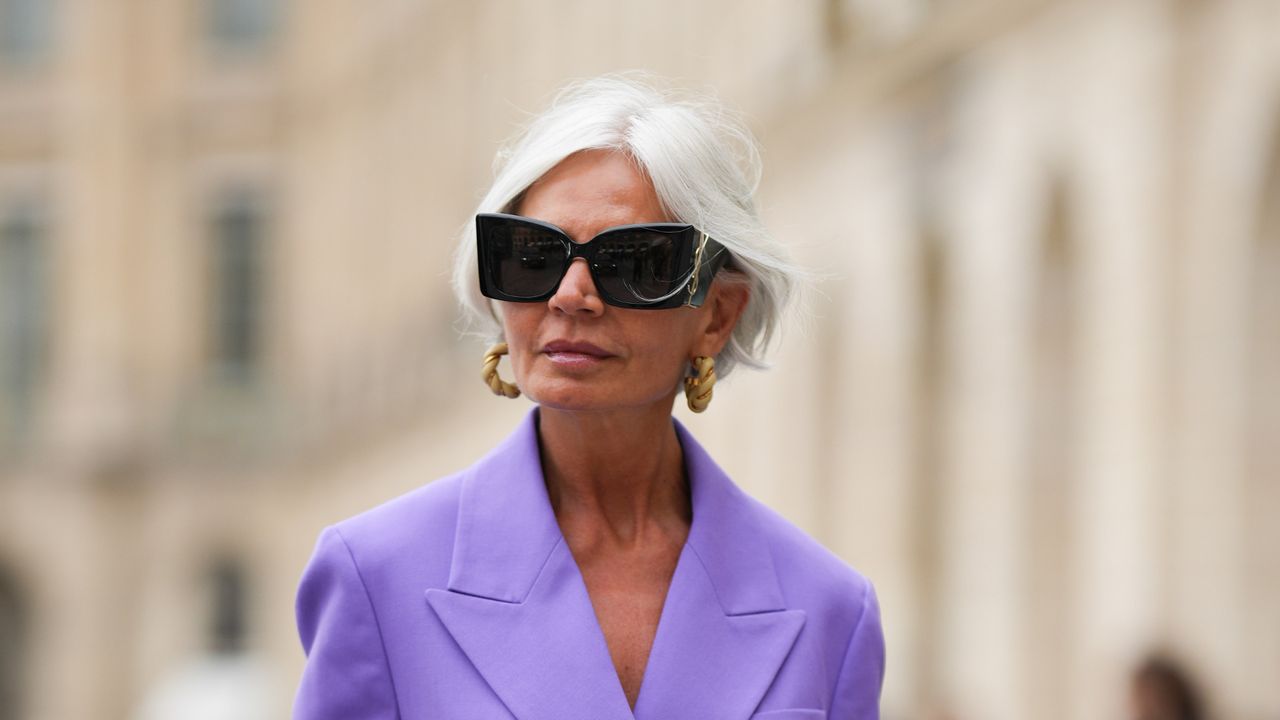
(577, 292)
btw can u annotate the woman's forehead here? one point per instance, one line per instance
(590, 191)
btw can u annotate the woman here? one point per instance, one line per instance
(598, 564)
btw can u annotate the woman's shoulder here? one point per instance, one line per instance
(810, 574)
(419, 523)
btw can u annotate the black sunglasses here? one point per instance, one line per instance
(651, 265)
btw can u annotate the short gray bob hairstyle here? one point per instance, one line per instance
(704, 166)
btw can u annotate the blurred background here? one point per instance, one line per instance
(1036, 400)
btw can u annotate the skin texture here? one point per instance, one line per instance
(613, 466)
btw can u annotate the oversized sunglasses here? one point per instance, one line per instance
(650, 265)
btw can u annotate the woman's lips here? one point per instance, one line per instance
(574, 354)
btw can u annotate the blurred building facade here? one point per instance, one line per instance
(1036, 400)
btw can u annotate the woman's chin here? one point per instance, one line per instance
(570, 395)
(571, 400)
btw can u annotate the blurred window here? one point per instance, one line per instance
(228, 628)
(13, 649)
(23, 313)
(242, 27)
(226, 679)
(239, 229)
(26, 31)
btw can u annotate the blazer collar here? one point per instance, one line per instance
(518, 608)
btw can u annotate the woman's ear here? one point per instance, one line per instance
(724, 306)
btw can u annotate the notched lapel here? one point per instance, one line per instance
(516, 604)
(544, 657)
(709, 664)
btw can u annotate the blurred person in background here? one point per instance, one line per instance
(1161, 689)
(598, 563)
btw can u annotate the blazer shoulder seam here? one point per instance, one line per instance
(373, 611)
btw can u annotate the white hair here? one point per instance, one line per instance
(704, 166)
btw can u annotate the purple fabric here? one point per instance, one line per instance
(461, 600)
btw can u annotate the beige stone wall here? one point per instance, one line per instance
(1032, 398)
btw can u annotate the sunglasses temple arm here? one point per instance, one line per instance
(699, 286)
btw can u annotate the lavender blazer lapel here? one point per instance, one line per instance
(518, 608)
(516, 603)
(725, 630)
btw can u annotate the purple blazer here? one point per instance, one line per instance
(461, 600)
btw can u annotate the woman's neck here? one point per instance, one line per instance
(615, 477)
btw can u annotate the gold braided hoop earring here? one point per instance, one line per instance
(489, 373)
(697, 389)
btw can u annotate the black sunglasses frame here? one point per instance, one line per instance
(706, 257)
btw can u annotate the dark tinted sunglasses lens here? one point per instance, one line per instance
(523, 261)
(642, 266)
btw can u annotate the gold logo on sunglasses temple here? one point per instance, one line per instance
(697, 264)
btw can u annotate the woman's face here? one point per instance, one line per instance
(574, 352)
